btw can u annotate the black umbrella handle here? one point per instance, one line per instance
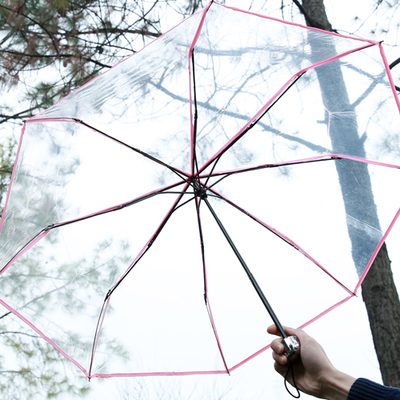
(248, 272)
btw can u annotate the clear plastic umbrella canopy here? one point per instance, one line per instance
(235, 157)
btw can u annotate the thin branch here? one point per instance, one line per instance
(233, 114)
(37, 55)
(19, 333)
(142, 32)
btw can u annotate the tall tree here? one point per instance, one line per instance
(378, 289)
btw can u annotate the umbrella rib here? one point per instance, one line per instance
(206, 299)
(225, 174)
(253, 123)
(97, 332)
(212, 171)
(26, 247)
(327, 157)
(187, 201)
(266, 127)
(126, 273)
(118, 207)
(183, 175)
(50, 227)
(150, 242)
(284, 238)
(195, 166)
(248, 272)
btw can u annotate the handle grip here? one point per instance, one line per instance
(292, 345)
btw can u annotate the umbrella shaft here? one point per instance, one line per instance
(248, 272)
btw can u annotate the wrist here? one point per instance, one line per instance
(337, 385)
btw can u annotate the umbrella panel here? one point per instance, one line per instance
(243, 63)
(299, 124)
(143, 100)
(159, 308)
(66, 172)
(66, 275)
(304, 203)
(273, 263)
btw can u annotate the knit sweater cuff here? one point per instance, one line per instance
(364, 389)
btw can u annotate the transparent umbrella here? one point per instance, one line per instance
(237, 168)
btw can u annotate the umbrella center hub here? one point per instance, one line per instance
(199, 190)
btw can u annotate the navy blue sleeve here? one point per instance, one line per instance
(364, 389)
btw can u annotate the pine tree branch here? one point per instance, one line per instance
(37, 55)
(35, 22)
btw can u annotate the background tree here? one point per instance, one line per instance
(76, 40)
(378, 289)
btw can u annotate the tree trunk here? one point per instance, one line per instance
(378, 289)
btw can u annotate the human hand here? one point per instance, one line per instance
(314, 373)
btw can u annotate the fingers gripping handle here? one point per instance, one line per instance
(291, 345)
